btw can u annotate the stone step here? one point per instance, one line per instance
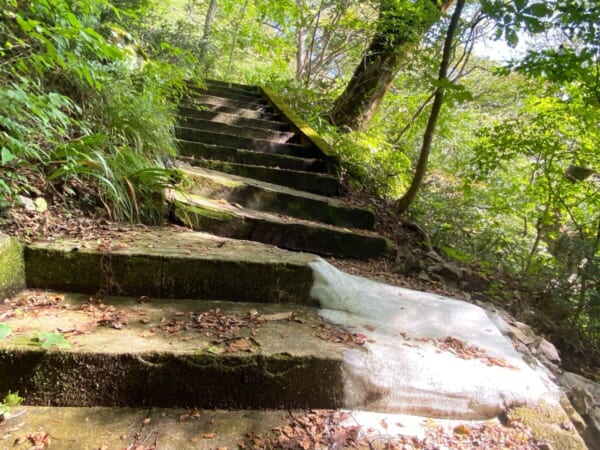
(135, 428)
(205, 99)
(96, 428)
(204, 151)
(316, 183)
(229, 85)
(233, 221)
(149, 352)
(261, 196)
(232, 119)
(251, 93)
(258, 145)
(192, 110)
(93, 428)
(233, 94)
(242, 131)
(171, 262)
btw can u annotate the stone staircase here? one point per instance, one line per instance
(163, 318)
(252, 173)
(155, 324)
(170, 338)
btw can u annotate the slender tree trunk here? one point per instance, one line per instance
(300, 52)
(208, 21)
(399, 29)
(407, 199)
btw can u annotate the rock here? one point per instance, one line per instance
(547, 350)
(449, 271)
(452, 271)
(584, 395)
(472, 370)
(27, 203)
(434, 255)
(406, 262)
(521, 336)
(41, 205)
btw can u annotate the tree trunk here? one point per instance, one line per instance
(407, 199)
(210, 17)
(399, 28)
(300, 52)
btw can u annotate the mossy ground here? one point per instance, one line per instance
(549, 423)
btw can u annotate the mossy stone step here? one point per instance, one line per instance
(233, 119)
(258, 105)
(261, 196)
(316, 183)
(258, 145)
(237, 130)
(170, 353)
(169, 262)
(234, 155)
(228, 220)
(192, 110)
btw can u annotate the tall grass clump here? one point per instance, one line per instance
(83, 107)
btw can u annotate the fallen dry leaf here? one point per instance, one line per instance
(277, 316)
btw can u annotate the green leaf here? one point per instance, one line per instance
(520, 4)
(73, 20)
(5, 330)
(538, 10)
(53, 339)
(215, 350)
(512, 38)
(6, 156)
(4, 188)
(24, 24)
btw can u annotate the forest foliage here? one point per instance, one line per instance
(89, 90)
(81, 101)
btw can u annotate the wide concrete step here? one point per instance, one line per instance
(237, 130)
(171, 262)
(214, 152)
(232, 119)
(195, 110)
(261, 196)
(258, 145)
(233, 221)
(205, 99)
(96, 428)
(316, 183)
(143, 352)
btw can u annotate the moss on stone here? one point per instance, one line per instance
(303, 128)
(548, 423)
(71, 378)
(12, 267)
(202, 211)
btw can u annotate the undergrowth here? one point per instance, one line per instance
(82, 105)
